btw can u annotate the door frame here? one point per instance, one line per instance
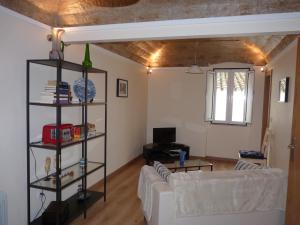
(293, 195)
(267, 103)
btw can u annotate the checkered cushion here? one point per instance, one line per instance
(162, 170)
(243, 165)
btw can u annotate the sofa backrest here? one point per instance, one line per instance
(228, 174)
(226, 192)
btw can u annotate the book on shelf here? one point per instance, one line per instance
(53, 101)
(54, 94)
(50, 95)
(60, 91)
(62, 101)
(53, 83)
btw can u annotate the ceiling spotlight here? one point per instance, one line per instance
(262, 69)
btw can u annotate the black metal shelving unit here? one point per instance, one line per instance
(76, 208)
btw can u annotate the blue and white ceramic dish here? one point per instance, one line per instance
(79, 91)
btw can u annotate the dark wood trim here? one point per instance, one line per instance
(292, 215)
(214, 158)
(266, 104)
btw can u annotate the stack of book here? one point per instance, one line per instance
(49, 95)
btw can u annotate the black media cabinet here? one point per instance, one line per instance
(163, 152)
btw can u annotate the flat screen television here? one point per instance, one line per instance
(164, 135)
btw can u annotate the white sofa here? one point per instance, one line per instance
(160, 204)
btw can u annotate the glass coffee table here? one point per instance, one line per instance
(189, 164)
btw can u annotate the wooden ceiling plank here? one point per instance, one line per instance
(181, 52)
(96, 12)
(281, 46)
(120, 50)
(28, 9)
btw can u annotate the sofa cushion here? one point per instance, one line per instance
(162, 170)
(244, 165)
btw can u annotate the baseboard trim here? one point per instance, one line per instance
(214, 158)
(116, 172)
(221, 159)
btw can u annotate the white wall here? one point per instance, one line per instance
(281, 114)
(20, 40)
(178, 99)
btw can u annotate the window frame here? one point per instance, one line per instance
(229, 103)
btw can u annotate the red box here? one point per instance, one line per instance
(49, 133)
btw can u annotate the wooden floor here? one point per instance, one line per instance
(122, 206)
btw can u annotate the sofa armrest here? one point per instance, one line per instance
(163, 205)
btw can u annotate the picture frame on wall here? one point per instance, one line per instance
(284, 89)
(122, 88)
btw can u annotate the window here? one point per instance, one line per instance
(229, 96)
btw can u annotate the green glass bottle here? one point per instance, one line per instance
(87, 63)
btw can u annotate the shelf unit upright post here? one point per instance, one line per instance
(84, 150)
(75, 208)
(28, 139)
(58, 143)
(105, 137)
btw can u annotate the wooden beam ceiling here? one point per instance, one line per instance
(91, 12)
(257, 50)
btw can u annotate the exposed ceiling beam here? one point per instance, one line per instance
(186, 29)
(280, 47)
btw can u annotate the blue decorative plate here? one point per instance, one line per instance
(79, 91)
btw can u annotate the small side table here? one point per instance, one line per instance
(189, 164)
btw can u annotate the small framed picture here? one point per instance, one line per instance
(122, 88)
(284, 89)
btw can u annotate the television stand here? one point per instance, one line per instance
(164, 153)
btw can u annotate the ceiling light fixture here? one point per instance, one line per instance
(194, 68)
(114, 3)
(262, 69)
(149, 70)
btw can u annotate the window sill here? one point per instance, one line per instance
(229, 124)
